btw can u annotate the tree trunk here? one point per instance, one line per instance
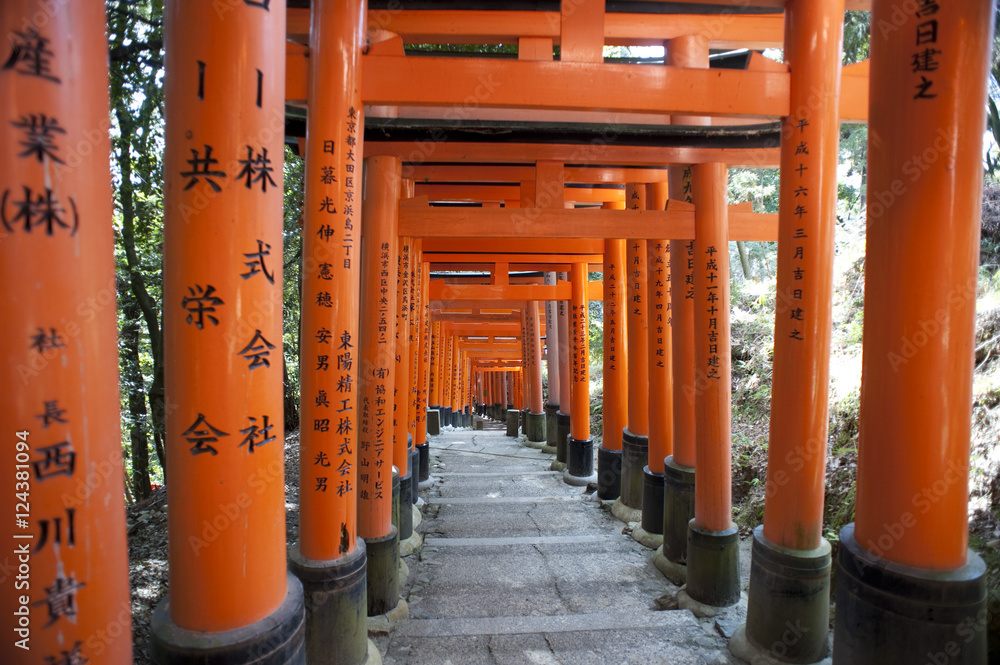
(142, 299)
(744, 260)
(132, 374)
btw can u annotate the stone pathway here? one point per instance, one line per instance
(518, 567)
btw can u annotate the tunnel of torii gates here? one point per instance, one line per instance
(454, 208)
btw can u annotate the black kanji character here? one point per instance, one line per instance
(200, 434)
(257, 168)
(38, 139)
(42, 342)
(252, 432)
(61, 598)
(43, 538)
(256, 262)
(57, 459)
(30, 55)
(200, 167)
(257, 351)
(44, 209)
(52, 414)
(200, 304)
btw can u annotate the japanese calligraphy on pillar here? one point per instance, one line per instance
(802, 216)
(925, 61)
(689, 245)
(612, 321)
(659, 299)
(712, 305)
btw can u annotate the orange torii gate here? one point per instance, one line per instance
(909, 584)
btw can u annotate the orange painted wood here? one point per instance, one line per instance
(493, 174)
(615, 344)
(329, 348)
(916, 391)
(713, 414)
(434, 375)
(622, 155)
(682, 317)
(472, 244)
(638, 334)
(533, 358)
(579, 314)
(565, 349)
(581, 31)
(660, 353)
(59, 367)
(676, 221)
(222, 314)
(793, 515)
(534, 48)
(401, 384)
(572, 85)
(377, 374)
(423, 374)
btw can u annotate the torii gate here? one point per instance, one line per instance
(909, 581)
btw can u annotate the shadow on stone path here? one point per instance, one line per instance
(518, 567)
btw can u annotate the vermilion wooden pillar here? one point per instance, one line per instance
(532, 377)
(376, 380)
(417, 413)
(402, 441)
(222, 336)
(329, 554)
(908, 550)
(660, 398)
(661, 432)
(580, 455)
(65, 556)
(434, 368)
(790, 571)
(565, 365)
(448, 378)
(609, 454)
(713, 575)
(552, 370)
(635, 439)
(455, 390)
(690, 51)
(423, 375)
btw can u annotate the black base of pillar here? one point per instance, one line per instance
(337, 599)
(891, 613)
(580, 458)
(433, 421)
(609, 473)
(401, 505)
(383, 573)
(523, 421)
(678, 509)
(788, 614)
(414, 469)
(713, 566)
(535, 427)
(551, 426)
(467, 421)
(652, 501)
(498, 413)
(512, 417)
(562, 436)
(277, 639)
(445, 416)
(424, 451)
(635, 454)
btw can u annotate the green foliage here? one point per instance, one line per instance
(857, 36)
